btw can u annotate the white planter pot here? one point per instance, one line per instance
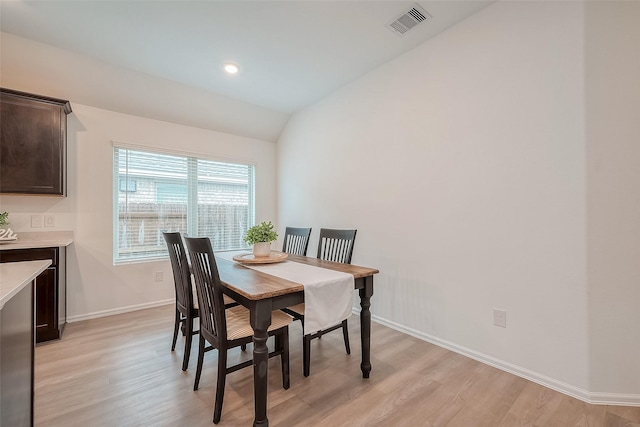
(262, 249)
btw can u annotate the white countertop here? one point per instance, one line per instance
(14, 276)
(30, 240)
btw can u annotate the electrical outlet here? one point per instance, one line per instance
(49, 220)
(500, 318)
(159, 276)
(36, 221)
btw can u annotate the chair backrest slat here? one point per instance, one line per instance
(336, 245)
(180, 268)
(296, 240)
(208, 287)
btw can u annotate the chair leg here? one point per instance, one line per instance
(200, 359)
(222, 376)
(187, 344)
(175, 330)
(306, 355)
(345, 333)
(282, 342)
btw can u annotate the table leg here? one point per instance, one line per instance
(365, 325)
(260, 321)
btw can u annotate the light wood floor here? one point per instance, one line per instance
(119, 371)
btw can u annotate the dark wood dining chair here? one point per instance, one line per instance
(186, 307)
(223, 328)
(296, 240)
(334, 245)
(186, 300)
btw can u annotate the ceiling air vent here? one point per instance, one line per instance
(408, 20)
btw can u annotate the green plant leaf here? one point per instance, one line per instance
(4, 218)
(263, 232)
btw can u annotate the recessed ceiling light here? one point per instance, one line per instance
(231, 68)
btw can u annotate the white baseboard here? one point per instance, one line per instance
(617, 399)
(120, 310)
(562, 387)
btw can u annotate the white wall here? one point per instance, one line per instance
(94, 285)
(462, 165)
(613, 128)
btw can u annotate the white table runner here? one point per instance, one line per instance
(328, 294)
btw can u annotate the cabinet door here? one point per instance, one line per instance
(45, 297)
(32, 146)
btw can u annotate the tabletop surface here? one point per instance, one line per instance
(256, 285)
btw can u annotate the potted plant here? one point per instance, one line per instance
(261, 236)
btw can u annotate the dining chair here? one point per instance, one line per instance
(296, 240)
(186, 308)
(225, 329)
(333, 245)
(186, 300)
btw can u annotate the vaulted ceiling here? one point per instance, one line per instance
(290, 53)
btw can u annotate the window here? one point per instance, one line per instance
(128, 186)
(156, 192)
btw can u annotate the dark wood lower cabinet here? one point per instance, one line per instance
(50, 289)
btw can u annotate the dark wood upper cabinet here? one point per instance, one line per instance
(33, 143)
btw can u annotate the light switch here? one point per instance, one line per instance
(36, 221)
(49, 220)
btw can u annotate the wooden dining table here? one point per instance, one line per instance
(262, 293)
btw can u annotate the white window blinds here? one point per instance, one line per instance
(156, 192)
